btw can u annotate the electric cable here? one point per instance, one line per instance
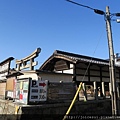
(92, 57)
(81, 5)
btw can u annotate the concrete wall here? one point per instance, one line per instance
(56, 110)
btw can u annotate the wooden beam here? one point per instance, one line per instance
(31, 56)
(27, 66)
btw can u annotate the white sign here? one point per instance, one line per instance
(10, 94)
(38, 90)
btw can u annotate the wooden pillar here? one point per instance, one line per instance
(74, 72)
(103, 89)
(95, 90)
(84, 90)
(31, 64)
(110, 88)
(118, 92)
(18, 67)
(89, 74)
(101, 94)
(74, 80)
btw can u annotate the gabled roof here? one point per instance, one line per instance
(4, 68)
(70, 57)
(6, 60)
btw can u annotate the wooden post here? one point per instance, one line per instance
(18, 67)
(31, 62)
(101, 94)
(110, 88)
(95, 90)
(103, 89)
(118, 93)
(84, 90)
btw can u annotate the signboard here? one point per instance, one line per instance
(22, 91)
(10, 94)
(10, 84)
(38, 90)
(29, 91)
(11, 87)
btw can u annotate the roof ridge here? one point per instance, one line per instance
(78, 55)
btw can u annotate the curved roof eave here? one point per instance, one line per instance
(70, 57)
(55, 56)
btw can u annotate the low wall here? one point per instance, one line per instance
(15, 111)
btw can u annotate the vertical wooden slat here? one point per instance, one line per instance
(103, 89)
(84, 89)
(95, 90)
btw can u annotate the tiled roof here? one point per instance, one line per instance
(71, 57)
(77, 57)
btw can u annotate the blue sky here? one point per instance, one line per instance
(55, 25)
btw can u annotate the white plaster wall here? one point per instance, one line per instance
(56, 77)
(70, 71)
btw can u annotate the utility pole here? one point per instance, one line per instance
(112, 72)
(111, 64)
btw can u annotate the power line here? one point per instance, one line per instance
(80, 4)
(95, 10)
(91, 59)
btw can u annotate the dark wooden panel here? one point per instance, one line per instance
(62, 65)
(61, 91)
